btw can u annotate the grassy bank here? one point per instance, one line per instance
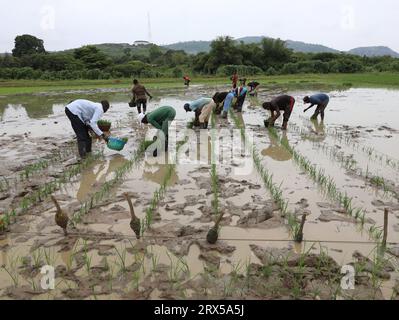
(373, 80)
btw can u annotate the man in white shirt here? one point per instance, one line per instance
(83, 115)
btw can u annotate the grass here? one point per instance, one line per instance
(372, 80)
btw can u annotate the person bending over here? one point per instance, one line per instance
(281, 103)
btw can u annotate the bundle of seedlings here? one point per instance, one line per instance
(104, 125)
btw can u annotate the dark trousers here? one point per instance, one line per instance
(141, 103)
(82, 134)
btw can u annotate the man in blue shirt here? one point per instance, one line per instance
(241, 95)
(197, 106)
(83, 115)
(320, 100)
(228, 102)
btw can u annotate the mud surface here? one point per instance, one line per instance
(255, 257)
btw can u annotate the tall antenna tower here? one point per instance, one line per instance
(149, 28)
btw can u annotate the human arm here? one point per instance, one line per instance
(93, 122)
(147, 93)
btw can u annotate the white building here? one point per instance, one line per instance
(141, 43)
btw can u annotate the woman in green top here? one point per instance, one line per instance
(160, 119)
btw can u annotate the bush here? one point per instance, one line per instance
(271, 71)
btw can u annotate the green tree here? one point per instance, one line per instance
(275, 53)
(27, 44)
(92, 57)
(224, 51)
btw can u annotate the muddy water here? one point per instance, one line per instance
(243, 199)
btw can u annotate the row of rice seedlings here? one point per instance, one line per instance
(45, 191)
(35, 168)
(326, 184)
(160, 192)
(274, 189)
(105, 189)
(350, 164)
(214, 175)
(369, 151)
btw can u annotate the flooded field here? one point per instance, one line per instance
(342, 175)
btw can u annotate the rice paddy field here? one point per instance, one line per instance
(294, 209)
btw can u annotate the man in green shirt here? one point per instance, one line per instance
(160, 119)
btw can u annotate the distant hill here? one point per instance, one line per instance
(191, 47)
(297, 46)
(374, 52)
(194, 47)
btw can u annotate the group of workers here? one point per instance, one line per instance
(84, 114)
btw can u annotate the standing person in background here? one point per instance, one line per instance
(83, 115)
(234, 79)
(281, 103)
(187, 81)
(241, 95)
(140, 94)
(320, 100)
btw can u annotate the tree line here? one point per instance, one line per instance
(30, 60)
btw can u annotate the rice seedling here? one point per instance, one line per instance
(340, 137)
(37, 257)
(48, 189)
(121, 262)
(50, 256)
(105, 189)
(160, 192)
(267, 178)
(12, 269)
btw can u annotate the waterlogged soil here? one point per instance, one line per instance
(255, 257)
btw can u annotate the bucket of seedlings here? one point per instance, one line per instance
(104, 125)
(117, 144)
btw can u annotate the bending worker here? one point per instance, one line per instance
(196, 106)
(84, 114)
(160, 119)
(320, 100)
(281, 103)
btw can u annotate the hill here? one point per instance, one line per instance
(374, 52)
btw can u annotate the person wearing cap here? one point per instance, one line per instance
(196, 106)
(320, 100)
(84, 115)
(140, 94)
(160, 119)
(281, 103)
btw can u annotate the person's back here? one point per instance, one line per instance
(319, 98)
(85, 109)
(282, 101)
(199, 103)
(140, 92)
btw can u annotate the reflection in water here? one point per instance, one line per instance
(91, 176)
(157, 173)
(276, 151)
(318, 133)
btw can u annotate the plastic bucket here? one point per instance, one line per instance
(116, 144)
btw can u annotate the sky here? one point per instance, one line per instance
(66, 24)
